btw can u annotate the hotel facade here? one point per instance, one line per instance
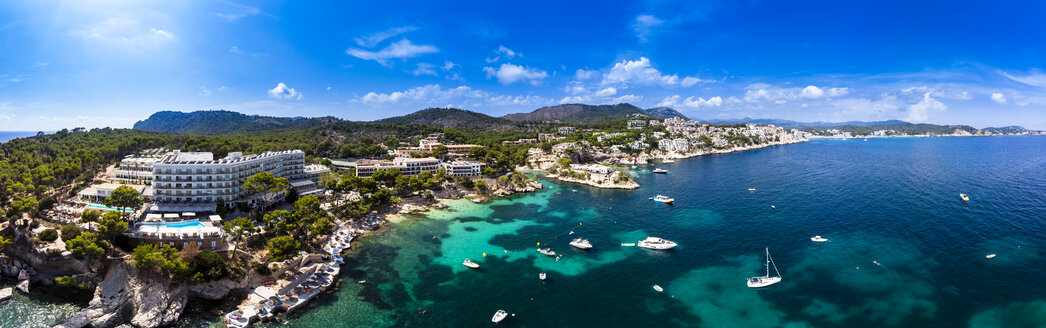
(197, 178)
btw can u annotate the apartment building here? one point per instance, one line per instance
(464, 168)
(407, 166)
(197, 178)
(135, 169)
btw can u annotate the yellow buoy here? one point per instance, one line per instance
(539, 243)
(579, 223)
(484, 254)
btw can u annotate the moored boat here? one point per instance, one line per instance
(659, 289)
(656, 243)
(767, 280)
(471, 265)
(541, 276)
(818, 239)
(663, 199)
(499, 316)
(581, 243)
(989, 256)
(660, 171)
(964, 197)
(546, 251)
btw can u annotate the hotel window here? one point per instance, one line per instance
(213, 244)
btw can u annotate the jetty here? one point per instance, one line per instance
(315, 274)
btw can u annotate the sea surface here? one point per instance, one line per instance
(893, 201)
(6, 136)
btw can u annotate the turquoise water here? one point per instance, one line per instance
(894, 201)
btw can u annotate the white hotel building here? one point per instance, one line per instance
(196, 179)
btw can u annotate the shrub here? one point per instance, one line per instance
(48, 235)
(70, 231)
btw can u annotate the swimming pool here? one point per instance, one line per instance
(103, 207)
(174, 227)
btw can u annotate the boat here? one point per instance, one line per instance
(819, 239)
(668, 161)
(660, 171)
(767, 280)
(989, 256)
(628, 244)
(964, 197)
(541, 276)
(546, 251)
(663, 199)
(659, 289)
(633, 166)
(581, 243)
(471, 265)
(751, 189)
(656, 243)
(499, 316)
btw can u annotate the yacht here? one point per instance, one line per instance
(767, 280)
(499, 316)
(964, 197)
(471, 265)
(541, 276)
(656, 243)
(989, 256)
(663, 199)
(659, 289)
(581, 243)
(661, 171)
(818, 239)
(751, 189)
(546, 251)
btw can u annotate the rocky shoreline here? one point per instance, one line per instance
(628, 185)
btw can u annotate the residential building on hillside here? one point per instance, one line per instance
(406, 165)
(135, 169)
(567, 130)
(636, 124)
(463, 168)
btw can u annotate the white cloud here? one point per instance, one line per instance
(1032, 78)
(811, 92)
(374, 39)
(637, 72)
(424, 69)
(163, 34)
(691, 102)
(509, 73)
(508, 53)
(401, 49)
(428, 93)
(920, 112)
(204, 91)
(625, 99)
(999, 97)
(124, 33)
(583, 74)
(690, 81)
(240, 11)
(235, 50)
(643, 25)
(946, 94)
(282, 91)
(609, 91)
(760, 92)
(448, 65)
(529, 100)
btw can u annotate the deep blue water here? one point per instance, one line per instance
(894, 201)
(6, 136)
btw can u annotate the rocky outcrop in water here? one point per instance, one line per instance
(129, 295)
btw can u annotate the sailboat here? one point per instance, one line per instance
(767, 280)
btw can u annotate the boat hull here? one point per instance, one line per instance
(760, 282)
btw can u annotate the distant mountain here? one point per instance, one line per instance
(1013, 129)
(664, 112)
(580, 113)
(453, 118)
(223, 122)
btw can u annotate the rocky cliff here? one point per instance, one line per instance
(129, 295)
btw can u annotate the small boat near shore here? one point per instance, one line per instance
(818, 239)
(656, 243)
(469, 264)
(964, 197)
(659, 289)
(767, 280)
(541, 276)
(660, 171)
(581, 243)
(499, 316)
(668, 161)
(546, 251)
(663, 199)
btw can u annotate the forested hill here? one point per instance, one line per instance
(902, 127)
(223, 122)
(453, 118)
(664, 112)
(581, 113)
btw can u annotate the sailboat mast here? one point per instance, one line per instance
(768, 262)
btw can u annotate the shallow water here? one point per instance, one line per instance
(892, 201)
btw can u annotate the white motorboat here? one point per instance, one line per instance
(989, 256)
(659, 289)
(499, 316)
(581, 243)
(663, 199)
(818, 238)
(660, 171)
(751, 189)
(471, 265)
(656, 243)
(964, 197)
(767, 280)
(541, 276)
(546, 251)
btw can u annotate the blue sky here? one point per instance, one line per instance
(110, 63)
